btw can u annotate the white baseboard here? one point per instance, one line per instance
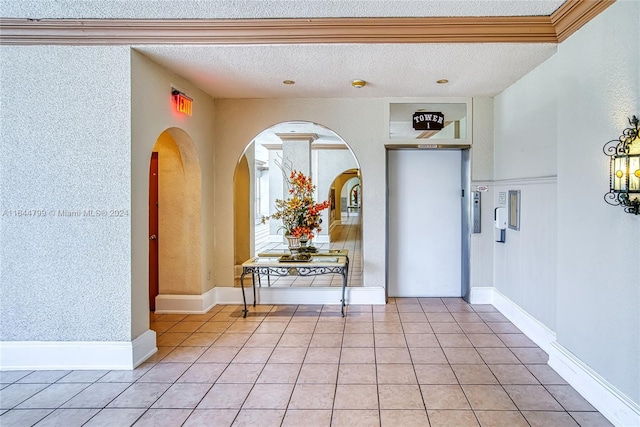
(529, 325)
(618, 408)
(613, 404)
(77, 355)
(307, 295)
(481, 296)
(187, 304)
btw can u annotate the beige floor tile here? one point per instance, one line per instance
(164, 373)
(328, 328)
(184, 354)
(355, 418)
(435, 374)
(279, 373)
(421, 340)
(462, 356)
(413, 317)
(318, 373)
(97, 395)
(115, 417)
(357, 340)
(416, 328)
(15, 394)
(323, 355)
(532, 398)
(501, 419)
(307, 418)
(446, 418)
(225, 396)
(172, 339)
(352, 396)
(516, 340)
(406, 417)
(503, 328)
(513, 374)
(219, 354)
(68, 417)
(545, 374)
(400, 397)
(427, 355)
(263, 340)
(53, 396)
(253, 355)
(182, 396)
(569, 398)
(23, 417)
(139, 395)
(475, 328)
(218, 327)
(474, 374)
(163, 417)
(440, 318)
(301, 328)
(446, 328)
(498, 355)
(211, 417)
(488, 397)
(590, 419)
(485, 340)
(8, 377)
(396, 374)
(453, 340)
(388, 328)
(241, 373)
(357, 373)
(185, 327)
(312, 396)
(358, 328)
(467, 317)
(269, 396)
(288, 355)
(493, 317)
(410, 308)
(358, 355)
(392, 355)
(127, 376)
(444, 397)
(82, 377)
(390, 340)
(386, 317)
(546, 419)
(201, 339)
(228, 339)
(326, 340)
(295, 340)
(203, 373)
(272, 328)
(242, 328)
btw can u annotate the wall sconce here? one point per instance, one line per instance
(624, 169)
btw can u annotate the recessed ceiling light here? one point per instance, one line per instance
(442, 81)
(288, 82)
(358, 84)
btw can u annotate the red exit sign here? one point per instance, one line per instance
(184, 104)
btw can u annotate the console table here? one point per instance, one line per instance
(325, 263)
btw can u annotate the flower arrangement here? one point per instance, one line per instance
(300, 215)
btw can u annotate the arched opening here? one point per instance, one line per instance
(258, 181)
(174, 210)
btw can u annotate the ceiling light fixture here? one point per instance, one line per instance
(358, 84)
(442, 81)
(288, 82)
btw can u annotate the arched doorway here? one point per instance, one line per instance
(258, 182)
(174, 217)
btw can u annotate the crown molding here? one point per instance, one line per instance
(498, 29)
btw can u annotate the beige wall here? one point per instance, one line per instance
(242, 214)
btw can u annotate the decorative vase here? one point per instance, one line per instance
(294, 242)
(303, 241)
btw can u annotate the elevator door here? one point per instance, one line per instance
(424, 223)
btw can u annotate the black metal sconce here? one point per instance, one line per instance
(624, 169)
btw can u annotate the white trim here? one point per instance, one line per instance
(481, 295)
(611, 402)
(529, 325)
(188, 304)
(306, 295)
(77, 355)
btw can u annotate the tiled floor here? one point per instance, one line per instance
(413, 362)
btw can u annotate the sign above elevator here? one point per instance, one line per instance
(428, 120)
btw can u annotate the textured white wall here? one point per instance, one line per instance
(65, 143)
(557, 118)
